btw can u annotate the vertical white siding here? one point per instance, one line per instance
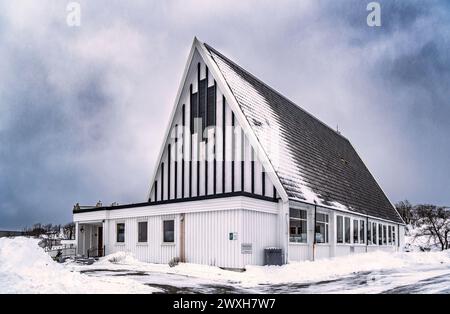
(154, 251)
(207, 238)
(260, 230)
(298, 252)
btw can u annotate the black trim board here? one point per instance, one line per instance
(179, 200)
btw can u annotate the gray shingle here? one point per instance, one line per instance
(313, 162)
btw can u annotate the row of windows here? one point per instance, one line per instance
(362, 231)
(298, 226)
(168, 232)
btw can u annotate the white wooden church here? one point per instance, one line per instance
(241, 169)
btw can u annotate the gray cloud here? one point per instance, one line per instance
(83, 110)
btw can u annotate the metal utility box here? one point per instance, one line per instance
(273, 256)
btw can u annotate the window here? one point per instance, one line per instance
(374, 233)
(384, 235)
(142, 231)
(340, 229)
(120, 233)
(389, 235)
(369, 233)
(168, 231)
(393, 236)
(361, 231)
(297, 225)
(322, 228)
(355, 231)
(347, 229)
(211, 107)
(202, 107)
(380, 234)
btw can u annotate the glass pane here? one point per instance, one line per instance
(120, 232)
(361, 231)
(384, 235)
(169, 231)
(339, 229)
(355, 231)
(321, 232)
(374, 231)
(322, 217)
(142, 231)
(297, 230)
(389, 235)
(347, 229)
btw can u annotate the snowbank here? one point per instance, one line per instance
(26, 268)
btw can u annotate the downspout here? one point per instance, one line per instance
(398, 236)
(314, 231)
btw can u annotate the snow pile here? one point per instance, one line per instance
(294, 272)
(416, 242)
(26, 268)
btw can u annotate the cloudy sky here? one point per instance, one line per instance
(83, 109)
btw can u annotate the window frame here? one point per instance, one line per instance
(138, 232)
(342, 229)
(380, 234)
(117, 233)
(326, 224)
(374, 233)
(394, 236)
(355, 231)
(301, 220)
(164, 231)
(369, 233)
(347, 236)
(362, 231)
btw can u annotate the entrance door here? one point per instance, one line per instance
(100, 241)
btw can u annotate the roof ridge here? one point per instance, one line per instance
(274, 90)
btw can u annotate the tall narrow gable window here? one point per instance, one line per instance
(202, 107)
(211, 106)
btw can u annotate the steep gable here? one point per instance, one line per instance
(205, 150)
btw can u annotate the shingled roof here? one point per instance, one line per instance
(313, 162)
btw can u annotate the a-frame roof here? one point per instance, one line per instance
(313, 163)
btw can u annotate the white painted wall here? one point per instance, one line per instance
(208, 224)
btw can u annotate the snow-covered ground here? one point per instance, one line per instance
(24, 267)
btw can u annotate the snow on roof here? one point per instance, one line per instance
(313, 162)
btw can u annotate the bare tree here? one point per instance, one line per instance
(405, 209)
(433, 221)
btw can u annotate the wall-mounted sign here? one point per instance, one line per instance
(246, 248)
